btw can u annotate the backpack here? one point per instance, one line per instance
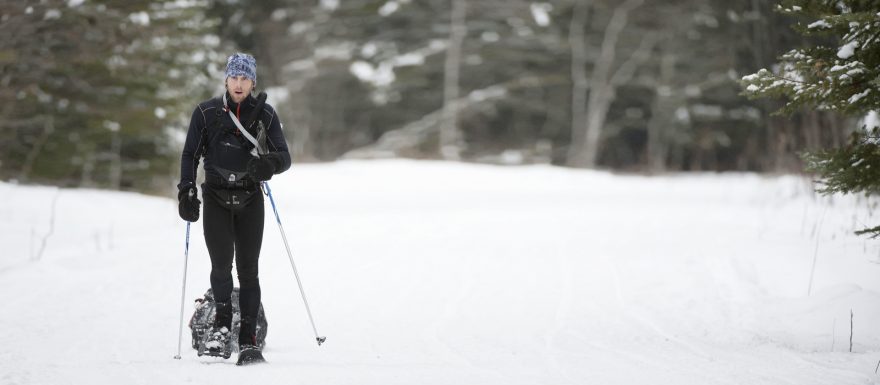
(228, 149)
(203, 318)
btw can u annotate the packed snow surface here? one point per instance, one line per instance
(447, 273)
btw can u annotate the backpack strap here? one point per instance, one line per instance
(255, 114)
(216, 124)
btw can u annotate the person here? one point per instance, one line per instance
(232, 194)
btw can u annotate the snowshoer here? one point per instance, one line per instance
(234, 212)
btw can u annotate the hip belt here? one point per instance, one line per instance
(240, 184)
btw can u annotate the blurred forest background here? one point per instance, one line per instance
(99, 93)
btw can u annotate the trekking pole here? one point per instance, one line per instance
(320, 339)
(183, 292)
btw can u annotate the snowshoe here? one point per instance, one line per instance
(216, 343)
(249, 355)
(250, 351)
(206, 312)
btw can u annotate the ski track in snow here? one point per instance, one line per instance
(445, 273)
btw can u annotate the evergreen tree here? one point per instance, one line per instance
(840, 72)
(90, 90)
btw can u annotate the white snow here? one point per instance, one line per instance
(51, 14)
(369, 50)
(213, 344)
(870, 120)
(707, 110)
(682, 114)
(112, 125)
(847, 50)
(490, 36)
(330, 5)
(141, 18)
(218, 338)
(380, 75)
(445, 273)
(409, 59)
(487, 93)
(821, 23)
(277, 96)
(279, 14)
(336, 51)
(389, 8)
(541, 13)
(856, 97)
(753, 77)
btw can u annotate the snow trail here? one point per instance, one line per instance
(445, 273)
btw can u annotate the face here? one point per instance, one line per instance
(239, 87)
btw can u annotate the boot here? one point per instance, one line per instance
(247, 332)
(223, 315)
(249, 351)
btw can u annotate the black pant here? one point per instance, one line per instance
(233, 225)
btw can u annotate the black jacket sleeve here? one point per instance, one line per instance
(193, 148)
(275, 140)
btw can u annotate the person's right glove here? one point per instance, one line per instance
(262, 168)
(188, 201)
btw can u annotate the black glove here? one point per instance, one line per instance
(188, 201)
(264, 167)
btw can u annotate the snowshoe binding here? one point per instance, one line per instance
(216, 343)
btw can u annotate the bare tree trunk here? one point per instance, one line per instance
(303, 115)
(116, 163)
(586, 153)
(86, 178)
(775, 129)
(661, 114)
(48, 128)
(580, 86)
(760, 34)
(302, 148)
(838, 135)
(781, 145)
(813, 128)
(749, 153)
(273, 55)
(449, 132)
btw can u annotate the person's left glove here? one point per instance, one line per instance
(264, 167)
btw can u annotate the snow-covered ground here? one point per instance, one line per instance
(446, 273)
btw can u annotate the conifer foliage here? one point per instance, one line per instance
(90, 90)
(839, 72)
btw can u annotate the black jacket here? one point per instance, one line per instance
(214, 136)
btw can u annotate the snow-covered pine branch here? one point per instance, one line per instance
(840, 72)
